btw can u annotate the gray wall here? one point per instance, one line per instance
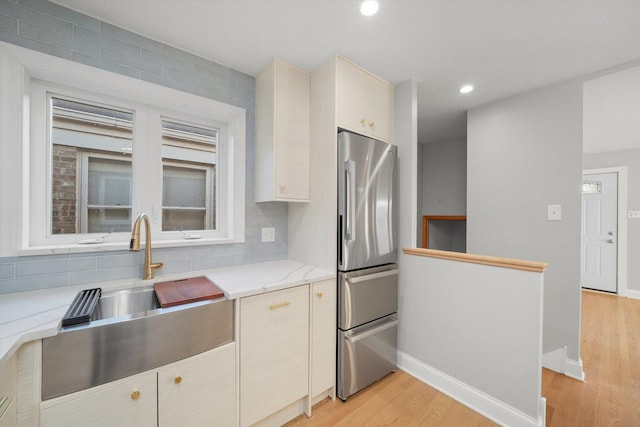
(444, 177)
(631, 159)
(525, 153)
(49, 28)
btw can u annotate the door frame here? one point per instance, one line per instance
(622, 223)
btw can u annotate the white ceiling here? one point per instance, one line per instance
(502, 47)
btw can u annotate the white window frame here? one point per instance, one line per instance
(24, 163)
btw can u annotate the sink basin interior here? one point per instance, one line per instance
(125, 302)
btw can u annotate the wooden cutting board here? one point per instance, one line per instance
(176, 292)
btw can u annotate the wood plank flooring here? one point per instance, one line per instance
(610, 340)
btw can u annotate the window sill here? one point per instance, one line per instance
(121, 246)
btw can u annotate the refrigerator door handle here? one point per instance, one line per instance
(373, 276)
(350, 200)
(362, 335)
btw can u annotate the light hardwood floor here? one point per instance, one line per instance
(610, 340)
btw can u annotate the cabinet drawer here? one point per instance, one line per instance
(128, 402)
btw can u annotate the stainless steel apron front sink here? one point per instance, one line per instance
(129, 334)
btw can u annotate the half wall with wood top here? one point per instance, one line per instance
(471, 326)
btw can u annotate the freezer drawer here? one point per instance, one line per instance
(367, 295)
(366, 354)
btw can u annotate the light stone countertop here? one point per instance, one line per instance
(26, 316)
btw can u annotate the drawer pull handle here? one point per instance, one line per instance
(372, 124)
(135, 395)
(281, 305)
(177, 379)
(319, 294)
(362, 121)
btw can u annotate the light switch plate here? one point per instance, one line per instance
(633, 214)
(268, 234)
(554, 213)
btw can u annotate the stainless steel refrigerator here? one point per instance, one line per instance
(367, 255)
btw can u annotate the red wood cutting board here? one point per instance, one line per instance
(176, 292)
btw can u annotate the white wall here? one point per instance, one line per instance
(631, 159)
(444, 177)
(525, 153)
(478, 324)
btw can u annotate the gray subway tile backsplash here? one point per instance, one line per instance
(55, 30)
(45, 266)
(61, 12)
(8, 24)
(32, 283)
(57, 39)
(7, 271)
(129, 37)
(32, 16)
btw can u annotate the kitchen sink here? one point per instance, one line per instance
(129, 302)
(130, 333)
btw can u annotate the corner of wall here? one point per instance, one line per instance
(558, 361)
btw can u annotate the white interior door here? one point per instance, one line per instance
(599, 260)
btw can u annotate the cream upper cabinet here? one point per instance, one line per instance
(274, 352)
(364, 102)
(130, 402)
(323, 338)
(199, 391)
(282, 133)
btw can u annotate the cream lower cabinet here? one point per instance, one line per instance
(128, 402)
(196, 391)
(200, 391)
(323, 339)
(274, 352)
(8, 393)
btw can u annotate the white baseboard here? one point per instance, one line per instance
(632, 293)
(555, 360)
(558, 361)
(574, 369)
(489, 406)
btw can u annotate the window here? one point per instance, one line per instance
(188, 177)
(91, 149)
(94, 149)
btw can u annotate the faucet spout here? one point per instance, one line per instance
(134, 245)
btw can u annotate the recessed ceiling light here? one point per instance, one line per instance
(466, 89)
(369, 7)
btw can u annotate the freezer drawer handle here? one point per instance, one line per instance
(371, 276)
(365, 334)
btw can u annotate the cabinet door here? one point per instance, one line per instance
(8, 391)
(323, 336)
(274, 352)
(200, 391)
(351, 86)
(8, 419)
(292, 132)
(128, 402)
(380, 101)
(365, 103)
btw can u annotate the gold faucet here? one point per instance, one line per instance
(135, 245)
